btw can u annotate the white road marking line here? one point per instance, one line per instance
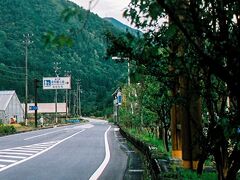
(17, 150)
(51, 142)
(85, 126)
(39, 153)
(27, 154)
(101, 168)
(29, 148)
(42, 135)
(39, 145)
(15, 157)
(130, 151)
(1, 165)
(116, 129)
(135, 170)
(6, 160)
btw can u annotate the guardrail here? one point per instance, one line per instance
(73, 121)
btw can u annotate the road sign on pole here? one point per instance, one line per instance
(119, 98)
(33, 108)
(57, 83)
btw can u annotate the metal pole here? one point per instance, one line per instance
(80, 111)
(36, 99)
(67, 74)
(56, 118)
(27, 42)
(26, 83)
(74, 102)
(66, 104)
(56, 69)
(69, 102)
(77, 102)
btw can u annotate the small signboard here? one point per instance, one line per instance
(119, 98)
(57, 83)
(33, 108)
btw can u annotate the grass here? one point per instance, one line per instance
(21, 128)
(152, 140)
(160, 152)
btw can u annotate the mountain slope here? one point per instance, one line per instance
(122, 26)
(85, 59)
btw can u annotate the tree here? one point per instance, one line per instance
(212, 31)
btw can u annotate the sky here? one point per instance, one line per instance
(106, 8)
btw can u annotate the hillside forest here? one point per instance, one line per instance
(83, 56)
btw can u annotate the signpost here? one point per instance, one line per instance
(119, 98)
(33, 108)
(57, 83)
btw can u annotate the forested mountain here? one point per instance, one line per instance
(85, 58)
(122, 26)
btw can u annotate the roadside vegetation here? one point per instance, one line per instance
(6, 129)
(49, 122)
(185, 82)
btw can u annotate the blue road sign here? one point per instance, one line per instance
(119, 100)
(33, 108)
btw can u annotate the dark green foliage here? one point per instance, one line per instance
(201, 39)
(80, 47)
(7, 129)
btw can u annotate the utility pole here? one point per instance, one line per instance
(36, 99)
(67, 74)
(69, 102)
(27, 41)
(56, 69)
(79, 98)
(74, 93)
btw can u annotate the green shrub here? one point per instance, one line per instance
(189, 174)
(110, 119)
(7, 129)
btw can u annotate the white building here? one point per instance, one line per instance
(10, 107)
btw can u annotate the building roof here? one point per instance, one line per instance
(5, 97)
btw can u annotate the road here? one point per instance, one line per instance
(81, 151)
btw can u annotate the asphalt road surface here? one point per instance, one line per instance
(76, 152)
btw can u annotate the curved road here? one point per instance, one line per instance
(76, 152)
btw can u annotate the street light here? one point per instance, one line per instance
(124, 58)
(27, 41)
